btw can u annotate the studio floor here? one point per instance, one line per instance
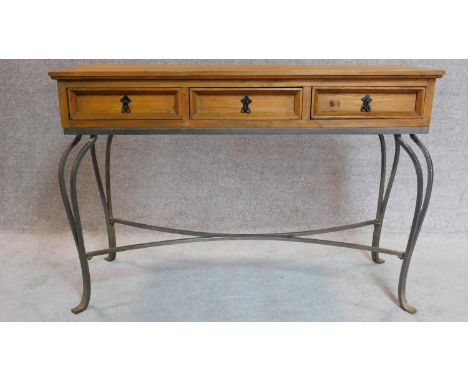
(40, 280)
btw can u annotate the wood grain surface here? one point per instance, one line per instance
(209, 96)
(240, 71)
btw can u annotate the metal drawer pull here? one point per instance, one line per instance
(366, 100)
(125, 104)
(246, 101)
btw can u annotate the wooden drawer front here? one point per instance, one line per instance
(96, 104)
(405, 102)
(226, 103)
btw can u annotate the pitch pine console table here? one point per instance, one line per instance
(113, 100)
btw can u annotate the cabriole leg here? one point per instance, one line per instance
(73, 215)
(384, 193)
(422, 202)
(63, 187)
(79, 231)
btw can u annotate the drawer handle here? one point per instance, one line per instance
(246, 101)
(366, 100)
(125, 104)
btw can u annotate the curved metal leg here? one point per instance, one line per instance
(73, 214)
(63, 187)
(79, 232)
(384, 194)
(422, 202)
(105, 200)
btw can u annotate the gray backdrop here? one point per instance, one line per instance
(232, 183)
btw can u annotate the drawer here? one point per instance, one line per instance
(246, 103)
(128, 104)
(356, 102)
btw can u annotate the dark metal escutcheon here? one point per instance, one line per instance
(366, 100)
(246, 101)
(125, 104)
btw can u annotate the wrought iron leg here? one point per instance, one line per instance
(73, 215)
(422, 202)
(112, 240)
(63, 187)
(105, 197)
(378, 226)
(384, 193)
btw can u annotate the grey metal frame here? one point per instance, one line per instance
(73, 215)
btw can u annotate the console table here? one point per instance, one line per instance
(113, 100)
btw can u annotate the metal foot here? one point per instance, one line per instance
(406, 307)
(384, 193)
(82, 305)
(422, 202)
(376, 258)
(73, 215)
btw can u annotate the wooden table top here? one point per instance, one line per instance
(240, 71)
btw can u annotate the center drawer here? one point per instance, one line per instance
(246, 103)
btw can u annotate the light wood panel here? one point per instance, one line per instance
(386, 102)
(226, 103)
(208, 96)
(229, 123)
(240, 71)
(285, 82)
(99, 104)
